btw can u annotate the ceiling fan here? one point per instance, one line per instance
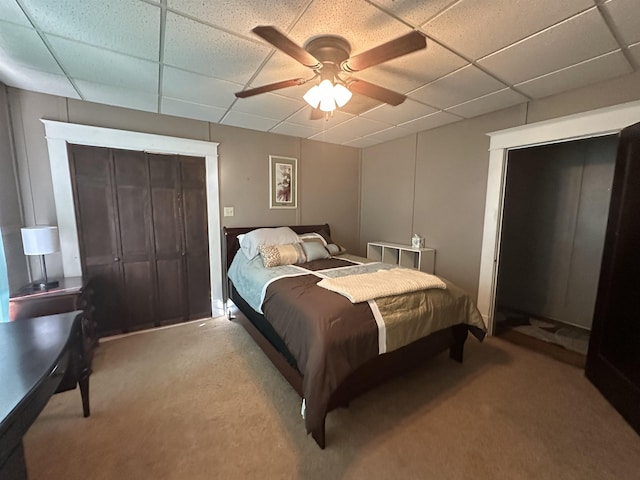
(329, 58)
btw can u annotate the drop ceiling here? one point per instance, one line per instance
(188, 57)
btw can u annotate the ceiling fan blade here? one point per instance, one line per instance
(270, 87)
(282, 42)
(395, 48)
(375, 91)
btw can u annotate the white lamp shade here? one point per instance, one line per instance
(40, 240)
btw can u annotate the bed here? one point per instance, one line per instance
(328, 347)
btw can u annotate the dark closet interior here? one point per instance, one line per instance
(142, 231)
(556, 207)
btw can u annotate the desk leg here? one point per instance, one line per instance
(83, 382)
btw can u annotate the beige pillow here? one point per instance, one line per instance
(275, 255)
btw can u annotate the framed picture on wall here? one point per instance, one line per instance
(283, 182)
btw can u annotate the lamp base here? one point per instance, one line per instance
(42, 285)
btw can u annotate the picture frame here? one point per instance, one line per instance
(283, 182)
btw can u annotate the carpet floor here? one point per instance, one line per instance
(201, 401)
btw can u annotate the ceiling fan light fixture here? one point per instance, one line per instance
(312, 97)
(341, 94)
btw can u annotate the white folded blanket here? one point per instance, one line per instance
(383, 283)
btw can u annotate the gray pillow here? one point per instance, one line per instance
(314, 251)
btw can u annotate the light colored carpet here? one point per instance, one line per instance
(201, 401)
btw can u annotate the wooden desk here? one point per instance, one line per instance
(35, 355)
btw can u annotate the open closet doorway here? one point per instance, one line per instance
(556, 206)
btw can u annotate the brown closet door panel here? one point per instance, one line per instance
(195, 221)
(193, 172)
(164, 171)
(106, 300)
(199, 285)
(137, 294)
(96, 221)
(133, 209)
(171, 305)
(166, 222)
(92, 162)
(130, 168)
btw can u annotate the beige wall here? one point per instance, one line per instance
(447, 192)
(10, 211)
(243, 159)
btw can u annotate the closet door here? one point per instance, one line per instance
(134, 228)
(195, 236)
(168, 239)
(613, 361)
(96, 215)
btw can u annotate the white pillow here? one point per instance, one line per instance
(312, 237)
(251, 242)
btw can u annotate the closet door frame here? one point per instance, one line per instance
(58, 134)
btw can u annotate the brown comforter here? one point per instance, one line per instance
(330, 337)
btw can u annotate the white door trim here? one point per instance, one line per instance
(604, 121)
(58, 134)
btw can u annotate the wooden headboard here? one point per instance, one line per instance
(231, 244)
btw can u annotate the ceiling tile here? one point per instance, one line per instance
(601, 68)
(332, 136)
(580, 38)
(218, 54)
(359, 127)
(415, 12)
(363, 142)
(407, 110)
(363, 25)
(626, 16)
(11, 12)
(282, 67)
(44, 82)
(477, 28)
(461, 86)
(286, 128)
(411, 71)
(390, 134)
(430, 121)
(634, 50)
(301, 117)
(118, 96)
(359, 104)
(121, 25)
(488, 103)
(179, 108)
(244, 120)
(198, 88)
(268, 105)
(242, 15)
(104, 67)
(23, 47)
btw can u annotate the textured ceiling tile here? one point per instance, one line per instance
(282, 67)
(592, 71)
(11, 12)
(198, 88)
(461, 86)
(179, 108)
(37, 81)
(302, 117)
(583, 37)
(634, 50)
(203, 49)
(411, 71)
(131, 27)
(103, 67)
(252, 122)
(390, 134)
(23, 47)
(362, 24)
(489, 103)
(268, 105)
(626, 16)
(120, 97)
(415, 12)
(430, 121)
(333, 136)
(243, 15)
(359, 127)
(286, 128)
(476, 28)
(363, 142)
(408, 110)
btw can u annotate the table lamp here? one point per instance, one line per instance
(41, 241)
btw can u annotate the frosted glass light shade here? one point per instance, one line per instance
(327, 96)
(341, 94)
(40, 240)
(312, 97)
